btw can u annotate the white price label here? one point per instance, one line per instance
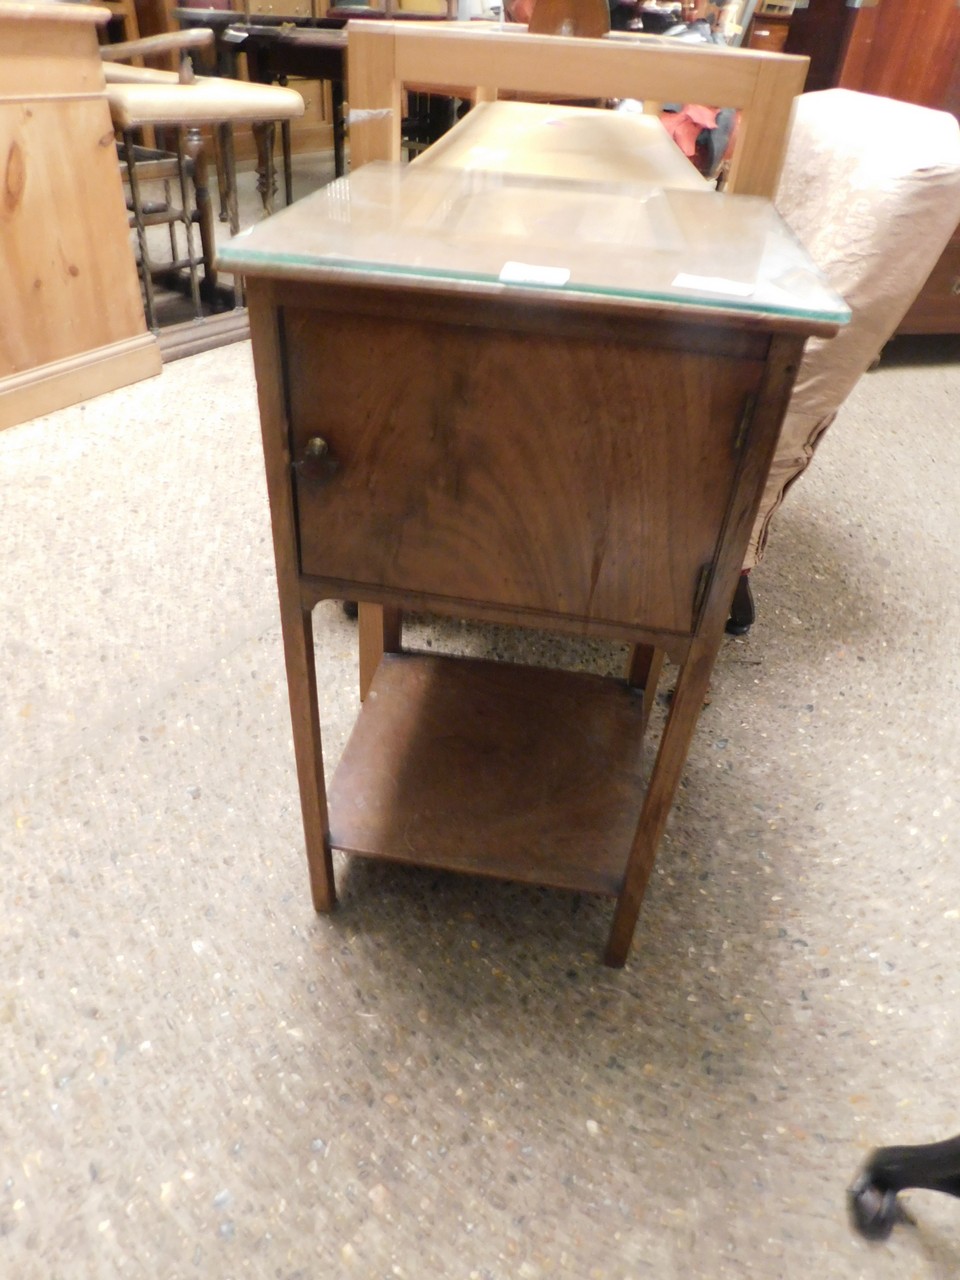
(530, 273)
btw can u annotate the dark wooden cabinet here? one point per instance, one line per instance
(821, 31)
(585, 459)
(769, 33)
(907, 49)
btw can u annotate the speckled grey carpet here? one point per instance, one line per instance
(202, 1079)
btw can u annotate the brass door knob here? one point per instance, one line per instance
(316, 463)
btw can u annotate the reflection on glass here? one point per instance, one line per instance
(694, 247)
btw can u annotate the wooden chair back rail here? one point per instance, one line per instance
(382, 57)
(151, 46)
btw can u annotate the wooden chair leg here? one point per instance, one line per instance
(141, 229)
(643, 672)
(185, 205)
(220, 167)
(264, 133)
(197, 153)
(287, 149)
(381, 630)
(228, 174)
(229, 166)
(339, 127)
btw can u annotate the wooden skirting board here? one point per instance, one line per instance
(64, 382)
(190, 338)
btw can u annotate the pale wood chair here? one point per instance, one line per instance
(483, 61)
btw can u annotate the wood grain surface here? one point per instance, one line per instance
(556, 475)
(493, 768)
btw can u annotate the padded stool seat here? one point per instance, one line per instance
(144, 98)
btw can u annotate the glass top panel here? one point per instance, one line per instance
(640, 242)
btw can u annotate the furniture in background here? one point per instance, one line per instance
(123, 13)
(578, 443)
(319, 55)
(587, 18)
(144, 166)
(897, 48)
(769, 25)
(905, 49)
(73, 323)
(274, 53)
(147, 98)
(313, 127)
(486, 61)
(910, 49)
(872, 188)
(318, 63)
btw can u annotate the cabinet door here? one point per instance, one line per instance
(563, 476)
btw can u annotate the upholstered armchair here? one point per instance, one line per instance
(872, 188)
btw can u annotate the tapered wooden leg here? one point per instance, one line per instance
(228, 167)
(196, 152)
(643, 672)
(136, 201)
(286, 146)
(264, 134)
(692, 685)
(295, 611)
(381, 631)
(305, 720)
(339, 126)
(220, 166)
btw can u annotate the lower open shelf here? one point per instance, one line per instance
(494, 769)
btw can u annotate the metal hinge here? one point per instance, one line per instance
(700, 590)
(743, 426)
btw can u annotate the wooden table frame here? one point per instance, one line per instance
(750, 364)
(382, 59)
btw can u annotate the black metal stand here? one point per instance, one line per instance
(873, 1196)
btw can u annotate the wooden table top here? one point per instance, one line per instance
(640, 245)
